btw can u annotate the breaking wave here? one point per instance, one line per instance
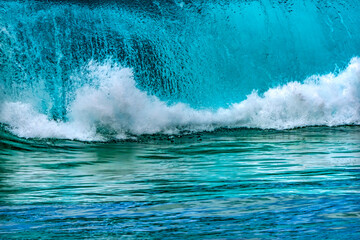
(110, 106)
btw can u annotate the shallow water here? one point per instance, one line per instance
(231, 184)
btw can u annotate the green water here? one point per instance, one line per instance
(231, 184)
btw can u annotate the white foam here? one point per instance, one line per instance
(116, 108)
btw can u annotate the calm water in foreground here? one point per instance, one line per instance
(300, 184)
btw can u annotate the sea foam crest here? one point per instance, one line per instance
(116, 108)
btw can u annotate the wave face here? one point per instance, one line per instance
(92, 70)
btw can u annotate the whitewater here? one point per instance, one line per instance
(112, 107)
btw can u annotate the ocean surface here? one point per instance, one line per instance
(176, 119)
(232, 184)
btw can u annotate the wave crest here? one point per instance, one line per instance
(113, 107)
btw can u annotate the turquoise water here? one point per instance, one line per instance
(299, 184)
(176, 119)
